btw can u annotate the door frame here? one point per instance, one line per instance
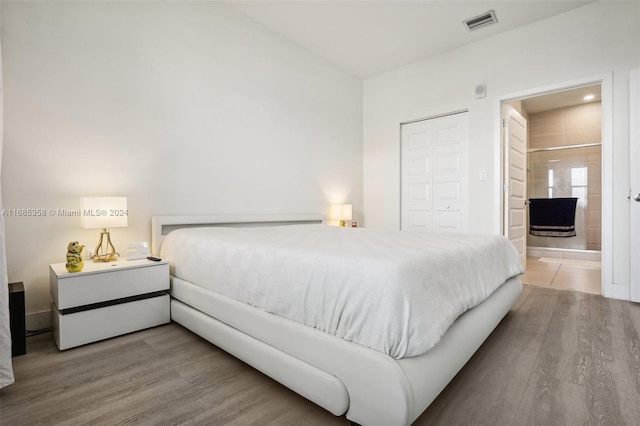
(606, 83)
(634, 142)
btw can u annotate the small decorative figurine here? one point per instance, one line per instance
(74, 257)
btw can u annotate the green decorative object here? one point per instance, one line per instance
(75, 263)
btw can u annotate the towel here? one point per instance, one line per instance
(552, 217)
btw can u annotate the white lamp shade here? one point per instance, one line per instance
(103, 212)
(345, 213)
(340, 212)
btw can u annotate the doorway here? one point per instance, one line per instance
(563, 201)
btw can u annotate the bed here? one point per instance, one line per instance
(374, 369)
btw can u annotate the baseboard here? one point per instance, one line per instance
(592, 255)
(38, 320)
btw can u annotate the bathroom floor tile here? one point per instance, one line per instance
(539, 273)
(570, 274)
(580, 278)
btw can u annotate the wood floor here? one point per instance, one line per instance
(558, 358)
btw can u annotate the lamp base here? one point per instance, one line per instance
(105, 251)
(105, 258)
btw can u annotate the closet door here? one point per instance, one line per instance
(416, 192)
(434, 174)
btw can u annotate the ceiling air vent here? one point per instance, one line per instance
(481, 20)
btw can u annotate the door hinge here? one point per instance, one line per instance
(505, 187)
(505, 123)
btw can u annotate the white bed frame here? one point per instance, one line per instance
(342, 377)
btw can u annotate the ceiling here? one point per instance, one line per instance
(366, 37)
(562, 99)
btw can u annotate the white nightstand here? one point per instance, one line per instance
(107, 299)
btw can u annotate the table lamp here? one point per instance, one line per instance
(341, 213)
(104, 213)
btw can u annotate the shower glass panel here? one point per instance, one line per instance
(569, 172)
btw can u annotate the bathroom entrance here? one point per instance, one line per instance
(563, 202)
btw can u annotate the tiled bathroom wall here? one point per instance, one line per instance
(559, 167)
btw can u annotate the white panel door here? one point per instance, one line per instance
(516, 182)
(434, 174)
(416, 175)
(450, 173)
(634, 134)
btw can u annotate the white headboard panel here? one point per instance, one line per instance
(162, 225)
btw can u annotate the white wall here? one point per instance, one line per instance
(185, 108)
(599, 38)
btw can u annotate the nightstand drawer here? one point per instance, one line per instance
(89, 326)
(79, 289)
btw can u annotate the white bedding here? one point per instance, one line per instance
(392, 291)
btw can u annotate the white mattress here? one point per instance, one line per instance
(392, 291)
